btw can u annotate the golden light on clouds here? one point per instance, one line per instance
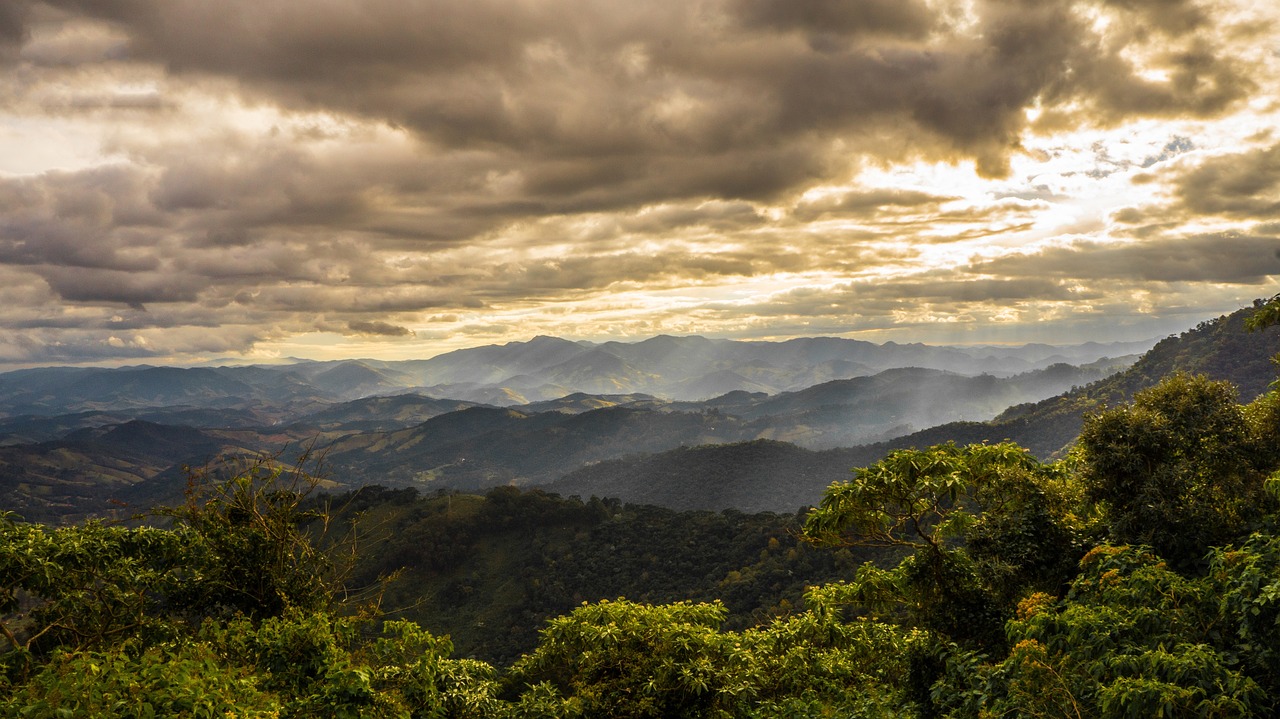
(383, 178)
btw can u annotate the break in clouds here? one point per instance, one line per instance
(186, 178)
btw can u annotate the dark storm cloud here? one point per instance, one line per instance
(669, 98)
(94, 218)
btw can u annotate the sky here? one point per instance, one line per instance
(258, 179)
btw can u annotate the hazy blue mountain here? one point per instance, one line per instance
(697, 368)
(1219, 348)
(493, 363)
(718, 383)
(517, 373)
(421, 441)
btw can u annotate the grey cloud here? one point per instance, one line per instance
(313, 298)
(1202, 83)
(661, 121)
(278, 188)
(378, 328)
(722, 216)
(632, 100)
(1129, 215)
(1228, 258)
(599, 272)
(978, 290)
(74, 45)
(97, 345)
(13, 29)
(1243, 185)
(1172, 17)
(137, 102)
(136, 289)
(95, 218)
(904, 18)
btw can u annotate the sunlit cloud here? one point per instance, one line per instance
(181, 179)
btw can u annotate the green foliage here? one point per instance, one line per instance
(1247, 581)
(985, 523)
(86, 586)
(811, 664)
(247, 540)
(241, 552)
(1179, 469)
(621, 659)
(334, 666)
(128, 682)
(1265, 314)
(1131, 639)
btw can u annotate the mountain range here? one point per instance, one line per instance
(517, 373)
(78, 442)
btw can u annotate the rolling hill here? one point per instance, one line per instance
(73, 439)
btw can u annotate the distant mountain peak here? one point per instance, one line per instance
(543, 340)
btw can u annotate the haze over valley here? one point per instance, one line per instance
(576, 417)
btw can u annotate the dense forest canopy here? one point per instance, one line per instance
(1138, 576)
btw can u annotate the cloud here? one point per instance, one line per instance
(909, 19)
(741, 98)
(273, 167)
(378, 328)
(12, 24)
(136, 289)
(1221, 258)
(870, 203)
(1240, 185)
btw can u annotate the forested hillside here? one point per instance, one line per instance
(489, 570)
(1136, 578)
(761, 475)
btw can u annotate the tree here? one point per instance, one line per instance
(622, 659)
(1132, 638)
(981, 523)
(1178, 469)
(1266, 314)
(231, 610)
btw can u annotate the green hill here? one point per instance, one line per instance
(756, 476)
